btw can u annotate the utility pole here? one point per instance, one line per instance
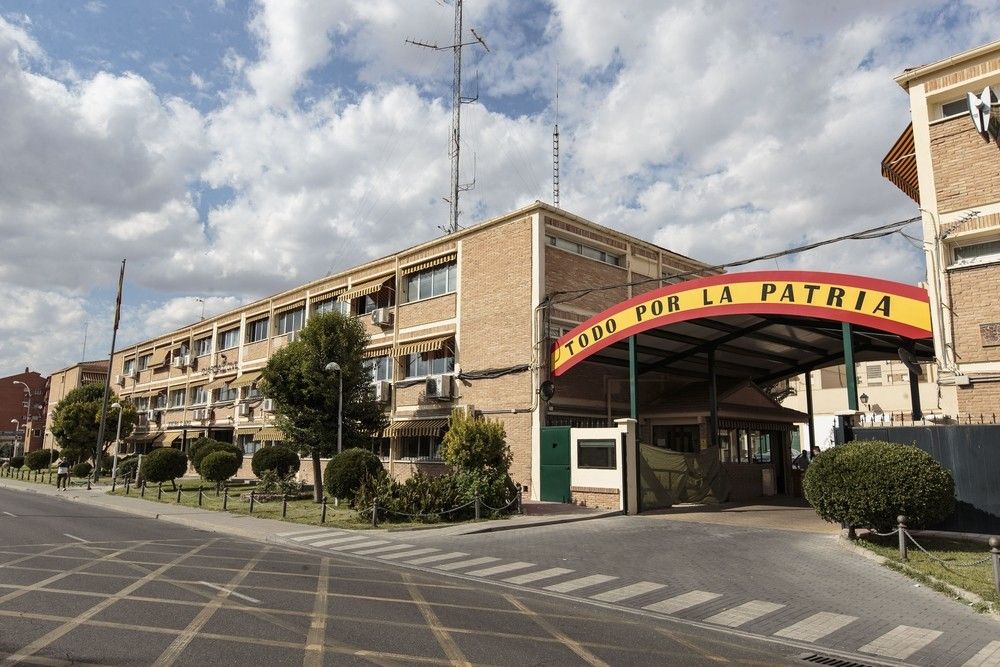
(555, 148)
(456, 107)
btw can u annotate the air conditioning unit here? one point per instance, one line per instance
(120, 380)
(200, 414)
(186, 360)
(438, 386)
(382, 317)
(383, 389)
(243, 409)
(268, 405)
(177, 362)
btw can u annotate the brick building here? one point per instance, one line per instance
(952, 171)
(459, 321)
(17, 393)
(65, 380)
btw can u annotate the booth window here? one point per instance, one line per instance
(599, 454)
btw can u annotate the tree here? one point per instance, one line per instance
(218, 466)
(77, 419)
(476, 444)
(164, 464)
(206, 446)
(305, 393)
(280, 460)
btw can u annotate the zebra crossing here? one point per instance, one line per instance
(899, 643)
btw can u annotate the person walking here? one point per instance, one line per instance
(62, 473)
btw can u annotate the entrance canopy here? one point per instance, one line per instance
(764, 325)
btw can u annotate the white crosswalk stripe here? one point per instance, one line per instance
(292, 534)
(626, 592)
(500, 569)
(339, 540)
(537, 576)
(749, 611)
(438, 557)
(816, 626)
(359, 545)
(582, 582)
(901, 642)
(989, 656)
(378, 550)
(467, 563)
(408, 554)
(315, 535)
(681, 602)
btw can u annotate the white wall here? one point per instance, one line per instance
(589, 477)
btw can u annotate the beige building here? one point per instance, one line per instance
(65, 380)
(952, 170)
(459, 321)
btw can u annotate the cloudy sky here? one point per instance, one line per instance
(233, 148)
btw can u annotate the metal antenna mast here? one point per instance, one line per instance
(555, 148)
(456, 107)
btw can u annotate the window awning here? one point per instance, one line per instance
(245, 380)
(289, 307)
(364, 289)
(268, 433)
(427, 264)
(219, 383)
(372, 352)
(159, 357)
(170, 438)
(900, 165)
(415, 427)
(420, 346)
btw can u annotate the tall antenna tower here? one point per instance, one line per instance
(555, 148)
(456, 107)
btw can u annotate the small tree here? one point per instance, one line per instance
(210, 447)
(76, 421)
(38, 459)
(476, 444)
(219, 466)
(346, 471)
(281, 460)
(164, 464)
(82, 469)
(17, 462)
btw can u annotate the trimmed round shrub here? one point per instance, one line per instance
(164, 464)
(347, 470)
(127, 467)
(868, 483)
(281, 460)
(219, 466)
(211, 447)
(17, 462)
(38, 459)
(82, 469)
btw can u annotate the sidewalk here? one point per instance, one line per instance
(265, 529)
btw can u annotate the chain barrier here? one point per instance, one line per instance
(499, 509)
(872, 531)
(944, 563)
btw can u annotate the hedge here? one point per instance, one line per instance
(281, 460)
(210, 447)
(219, 466)
(868, 483)
(17, 462)
(38, 459)
(82, 469)
(347, 470)
(164, 464)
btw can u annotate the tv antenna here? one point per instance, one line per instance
(555, 148)
(456, 108)
(202, 302)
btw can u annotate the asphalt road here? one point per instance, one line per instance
(85, 586)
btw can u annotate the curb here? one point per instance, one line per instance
(548, 522)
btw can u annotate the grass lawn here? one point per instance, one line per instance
(41, 477)
(954, 552)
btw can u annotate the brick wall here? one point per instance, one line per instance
(979, 398)
(966, 168)
(587, 496)
(567, 271)
(428, 310)
(975, 300)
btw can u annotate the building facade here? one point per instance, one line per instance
(22, 410)
(952, 170)
(462, 321)
(65, 380)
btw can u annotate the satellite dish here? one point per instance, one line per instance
(547, 390)
(979, 109)
(910, 361)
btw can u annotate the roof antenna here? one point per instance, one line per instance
(555, 147)
(456, 107)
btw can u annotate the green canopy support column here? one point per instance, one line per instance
(852, 376)
(713, 402)
(915, 410)
(809, 411)
(633, 398)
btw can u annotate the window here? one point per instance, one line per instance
(873, 373)
(380, 447)
(289, 321)
(128, 366)
(257, 330)
(144, 360)
(141, 403)
(961, 106)
(598, 454)
(332, 306)
(430, 363)
(228, 339)
(246, 442)
(203, 346)
(977, 253)
(36, 433)
(584, 250)
(199, 395)
(432, 282)
(419, 447)
(380, 368)
(160, 402)
(225, 393)
(176, 399)
(252, 392)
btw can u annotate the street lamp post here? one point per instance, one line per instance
(335, 367)
(17, 429)
(27, 423)
(118, 441)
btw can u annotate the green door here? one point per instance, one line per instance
(555, 464)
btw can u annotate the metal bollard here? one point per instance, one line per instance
(477, 506)
(995, 553)
(251, 501)
(113, 482)
(520, 500)
(374, 515)
(142, 489)
(127, 481)
(901, 520)
(322, 512)
(284, 505)
(200, 494)
(159, 491)
(225, 498)
(179, 489)
(88, 484)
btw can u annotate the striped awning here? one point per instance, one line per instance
(245, 380)
(372, 352)
(220, 382)
(268, 433)
(900, 165)
(416, 427)
(429, 345)
(170, 438)
(159, 358)
(429, 263)
(289, 306)
(751, 425)
(364, 289)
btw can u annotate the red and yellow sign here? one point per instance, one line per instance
(871, 302)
